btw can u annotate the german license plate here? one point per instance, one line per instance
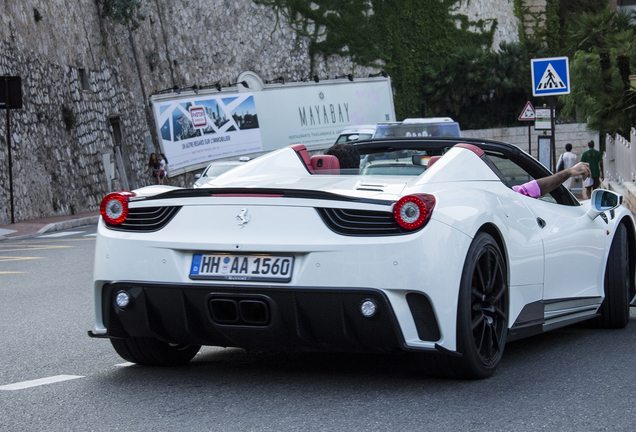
(232, 267)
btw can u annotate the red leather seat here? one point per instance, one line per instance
(303, 154)
(325, 164)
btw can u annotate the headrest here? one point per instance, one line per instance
(431, 161)
(302, 152)
(325, 164)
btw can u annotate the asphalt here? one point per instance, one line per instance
(45, 225)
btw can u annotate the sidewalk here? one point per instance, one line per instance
(40, 226)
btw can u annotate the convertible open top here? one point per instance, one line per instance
(425, 247)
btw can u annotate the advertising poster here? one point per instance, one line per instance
(197, 129)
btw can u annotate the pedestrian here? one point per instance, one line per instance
(153, 165)
(595, 159)
(163, 168)
(567, 160)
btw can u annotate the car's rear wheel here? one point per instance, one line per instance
(615, 308)
(482, 314)
(153, 352)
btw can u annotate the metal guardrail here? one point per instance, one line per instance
(619, 160)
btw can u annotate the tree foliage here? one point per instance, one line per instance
(482, 88)
(124, 12)
(417, 33)
(570, 10)
(402, 36)
(446, 62)
(341, 27)
(603, 47)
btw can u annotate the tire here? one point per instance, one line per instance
(482, 312)
(153, 352)
(615, 307)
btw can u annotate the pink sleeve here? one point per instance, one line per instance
(530, 189)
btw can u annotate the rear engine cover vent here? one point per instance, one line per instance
(371, 187)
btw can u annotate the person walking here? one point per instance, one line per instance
(567, 160)
(163, 168)
(153, 164)
(595, 159)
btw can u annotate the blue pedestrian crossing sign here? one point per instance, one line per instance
(550, 76)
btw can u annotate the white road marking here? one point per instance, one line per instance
(90, 235)
(39, 382)
(125, 364)
(62, 234)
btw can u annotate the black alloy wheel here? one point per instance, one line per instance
(614, 311)
(482, 320)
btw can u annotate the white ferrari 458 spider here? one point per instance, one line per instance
(425, 248)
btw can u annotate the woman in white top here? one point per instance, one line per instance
(163, 167)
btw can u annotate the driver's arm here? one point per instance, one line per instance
(545, 185)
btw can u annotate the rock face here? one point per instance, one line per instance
(86, 127)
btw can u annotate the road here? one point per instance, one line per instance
(573, 379)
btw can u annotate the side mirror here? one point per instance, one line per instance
(420, 159)
(602, 201)
(197, 176)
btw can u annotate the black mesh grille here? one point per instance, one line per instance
(360, 222)
(146, 219)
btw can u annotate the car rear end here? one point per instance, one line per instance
(276, 270)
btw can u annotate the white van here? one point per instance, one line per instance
(356, 133)
(412, 127)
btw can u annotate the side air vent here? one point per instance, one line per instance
(423, 316)
(360, 222)
(146, 219)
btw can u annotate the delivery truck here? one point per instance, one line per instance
(252, 117)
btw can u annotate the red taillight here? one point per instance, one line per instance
(413, 211)
(114, 207)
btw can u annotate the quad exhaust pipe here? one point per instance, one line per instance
(240, 312)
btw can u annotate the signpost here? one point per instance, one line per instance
(543, 119)
(550, 77)
(10, 98)
(528, 114)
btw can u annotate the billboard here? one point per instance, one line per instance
(196, 128)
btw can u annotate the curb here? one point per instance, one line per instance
(52, 227)
(73, 223)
